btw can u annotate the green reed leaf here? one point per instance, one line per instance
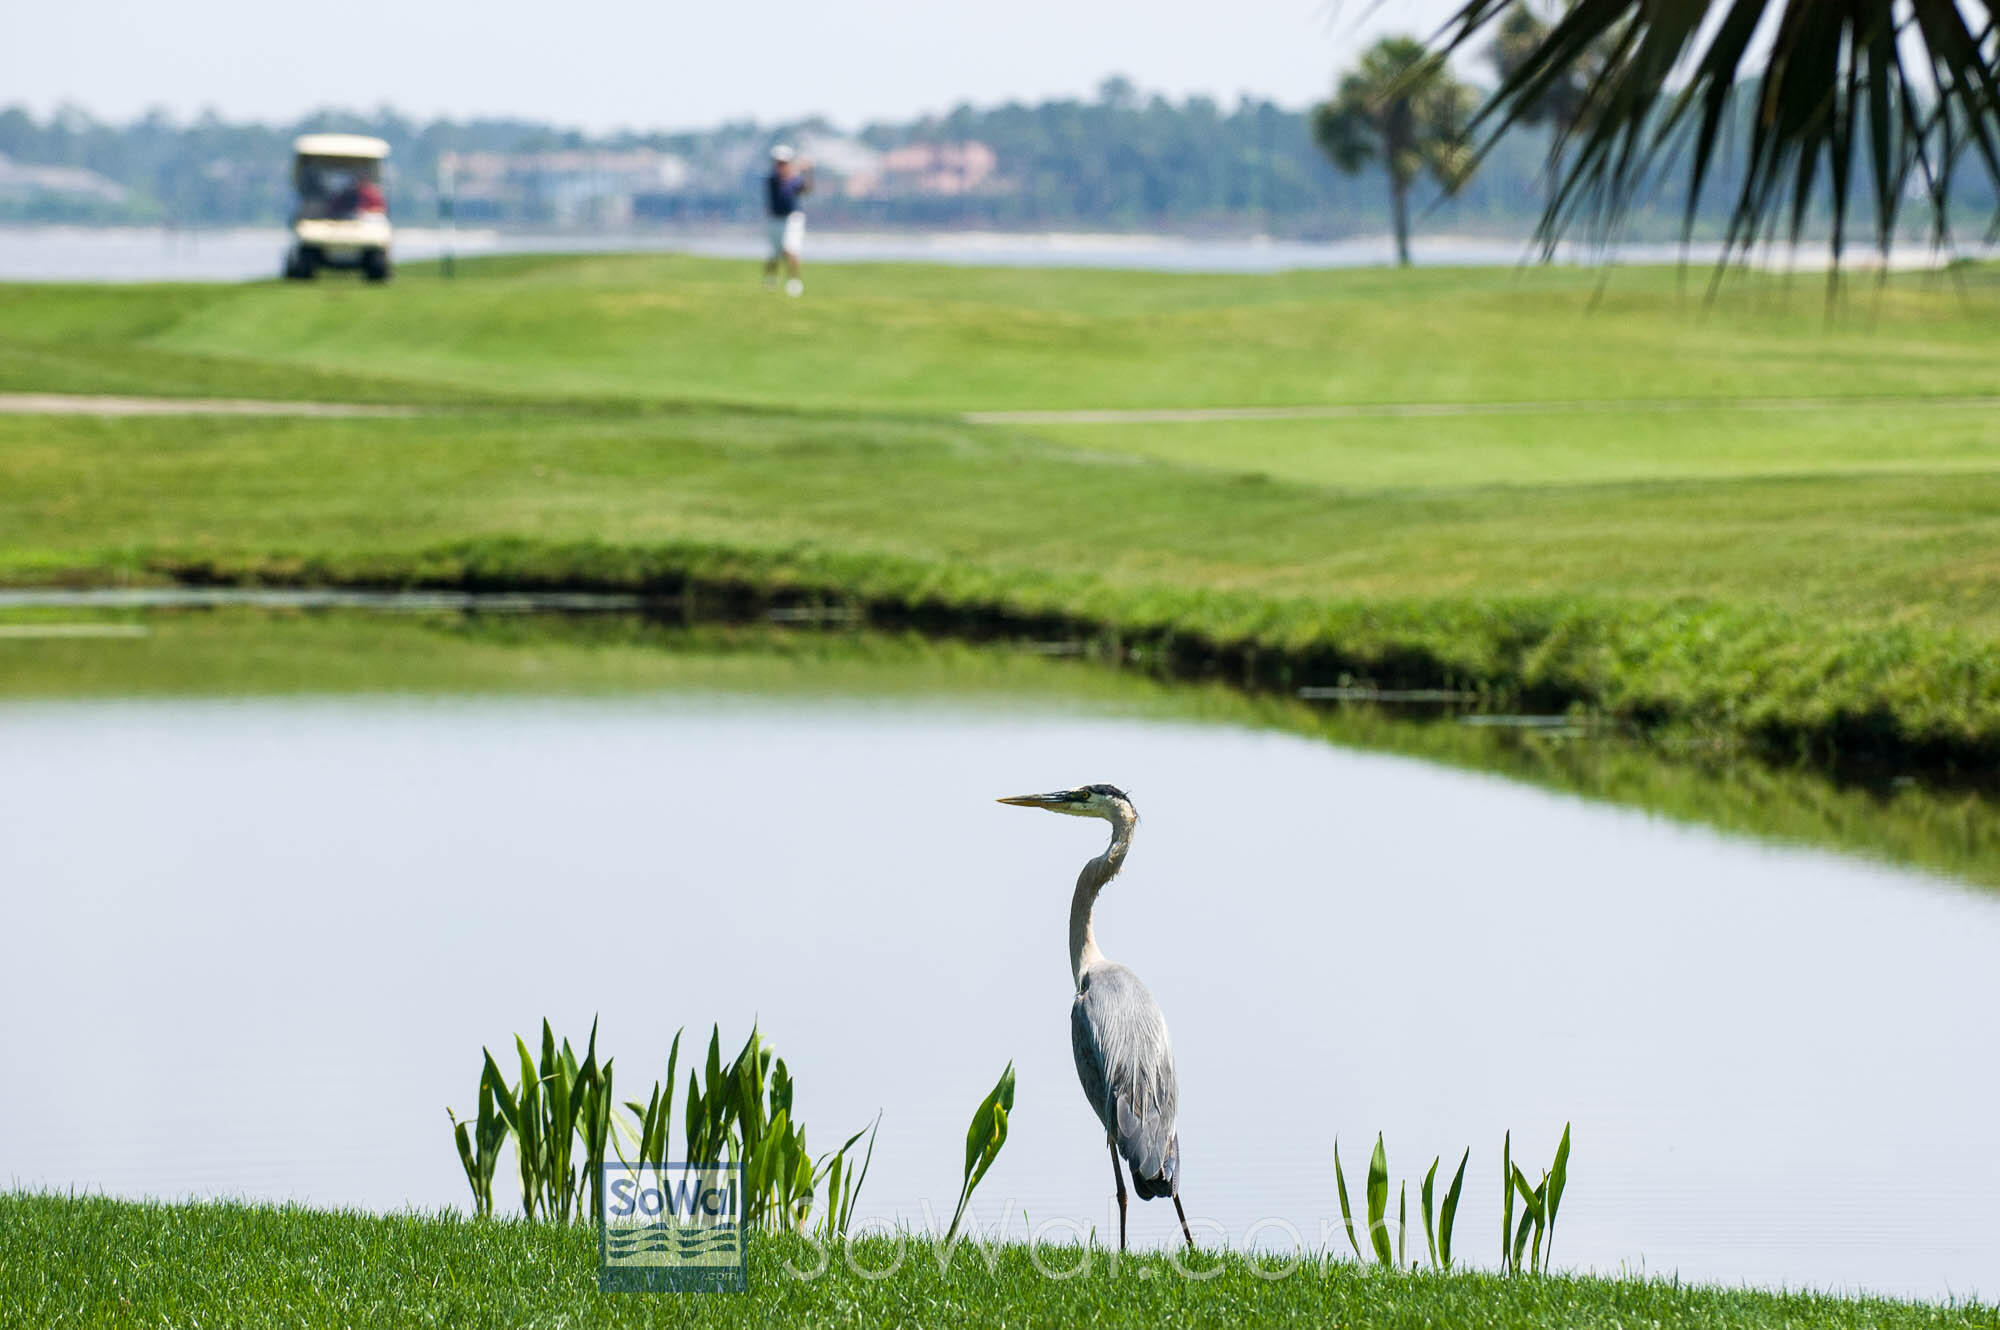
(1430, 1227)
(1558, 1179)
(983, 1140)
(667, 1099)
(463, 1137)
(1378, 1202)
(1450, 1210)
(1346, 1211)
(503, 1098)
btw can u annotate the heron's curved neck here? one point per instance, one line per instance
(1083, 952)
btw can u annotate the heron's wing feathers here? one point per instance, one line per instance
(1126, 1064)
(1090, 1064)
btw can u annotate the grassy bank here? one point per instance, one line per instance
(94, 1261)
(1801, 579)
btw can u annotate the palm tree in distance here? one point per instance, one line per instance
(1518, 35)
(1884, 99)
(1400, 107)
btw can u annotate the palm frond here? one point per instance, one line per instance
(1811, 96)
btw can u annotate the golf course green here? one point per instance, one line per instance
(1756, 518)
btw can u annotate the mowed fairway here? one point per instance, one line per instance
(1881, 547)
(1612, 449)
(954, 339)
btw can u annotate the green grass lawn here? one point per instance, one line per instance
(948, 339)
(93, 1261)
(928, 339)
(1842, 546)
(1583, 447)
(1818, 575)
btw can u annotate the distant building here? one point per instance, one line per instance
(600, 187)
(938, 169)
(73, 182)
(604, 187)
(840, 159)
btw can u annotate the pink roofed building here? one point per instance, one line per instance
(927, 168)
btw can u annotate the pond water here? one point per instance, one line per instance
(254, 947)
(151, 254)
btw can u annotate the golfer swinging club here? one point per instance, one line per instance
(789, 181)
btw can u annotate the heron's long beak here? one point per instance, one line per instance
(1056, 800)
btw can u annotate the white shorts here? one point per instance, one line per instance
(788, 234)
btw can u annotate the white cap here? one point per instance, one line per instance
(781, 152)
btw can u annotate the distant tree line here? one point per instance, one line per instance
(1120, 161)
(216, 172)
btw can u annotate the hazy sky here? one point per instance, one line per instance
(606, 63)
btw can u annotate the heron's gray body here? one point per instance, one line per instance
(1115, 1028)
(1126, 1065)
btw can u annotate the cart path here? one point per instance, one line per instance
(79, 404)
(68, 404)
(1198, 415)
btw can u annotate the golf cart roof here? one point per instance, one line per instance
(340, 145)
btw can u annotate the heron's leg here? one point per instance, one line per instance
(1183, 1214)
(1119, 1178)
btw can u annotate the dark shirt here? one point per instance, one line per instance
(783, 193)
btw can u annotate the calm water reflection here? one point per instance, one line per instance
(264, 941)
(147, 254)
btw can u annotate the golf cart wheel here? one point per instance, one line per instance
(375, 265)
(302, 265)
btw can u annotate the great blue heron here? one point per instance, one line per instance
(1115, 1028)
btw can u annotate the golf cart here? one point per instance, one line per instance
(341, 219)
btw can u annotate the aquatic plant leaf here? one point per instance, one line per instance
(463, 1138)
(1346, 1211)
(1402, 1224)
(503, 1098)
(1378, 1202)
(667, 1099)
(1558, 1179)
(854, 1194)
(983, 1140)
(1430, 1226)
(1449, 1213)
